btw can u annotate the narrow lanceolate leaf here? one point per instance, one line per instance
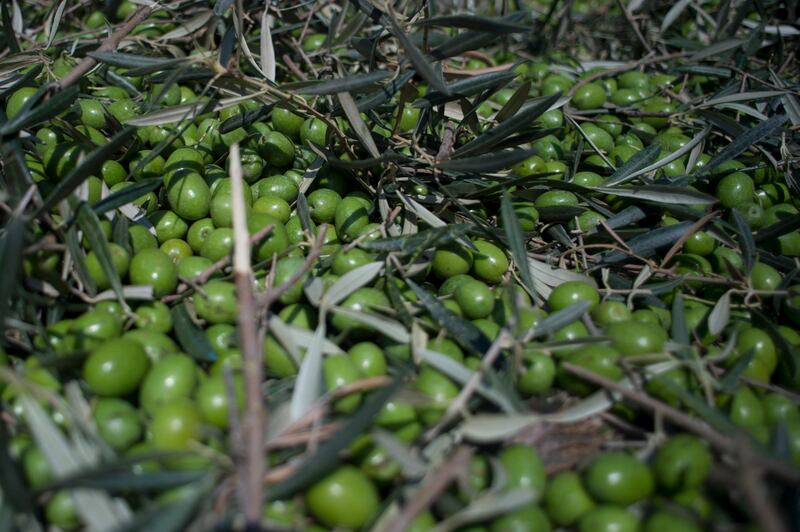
(97, 509)
(523, 119)
(673, 14)
(678, 329)
(425, 239)
(122, 479)
(90, 166)
(191, 337)
(640, 160)
(558, 320)
(361, 129)
(125, 60)
(516, 241)
(745, 140)
(54, 21)
(385, 326)
(470, 22)
(421, 64)
(188, 27)
(486, 163)
(489, 505)
(12, 483)
(41, 112)
(646, 244)
(744, 235)
(90, 225)
(462, 331)
(666, 194)
(353, 83)
(383, 94)
(466, 87)
(171, 516)
(720, 315)
(327, 458)
(267, 47)
(126, 195)
(12, 241)
(308, 386)
(349, 283)
(514, 103)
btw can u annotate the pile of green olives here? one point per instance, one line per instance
(476, 291)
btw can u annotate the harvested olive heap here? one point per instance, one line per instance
(374, 266)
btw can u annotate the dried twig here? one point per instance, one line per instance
(251, 468)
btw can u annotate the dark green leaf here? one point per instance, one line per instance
(514, 103)
(781, 227)
(17, 178)
(353, 83)
(745, 237)
(711, 415)
(679, 331)
(125, 60)
(720, 315)
(559, 319)
(646, 244)
(304, 213)
(90, 166)
(516, 241)
(79, 258)
(126, 480)
(12, 483)
(462, 331)
(169, 65)
(192, 339)
(326, 458)
(744, 141)
(642, 159)
(487, 163)
(425, 239)
(8, 29)
(12, 242)
(361, 129)
(523, 119)
(126, 195)
(465, 41)
(382, 95)
(564, 213)
(466, 87)
(471, 22)
(628, 215)
(90, 225)
(421, 65)
(227, 45)
(730, 381)
(41, 112)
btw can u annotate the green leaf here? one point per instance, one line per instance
(383, 94)
(425, 239)
(516, 241)
(679, 331)
(746, 241)
(646, 244)
(421, 65)
(90, 225)
(126, 60)
(8, 28)
(491, 504)
(172, 516)
(126, 195)
(730, 381)
(327, 458)
(91, 165)
(353, 83)
(466, 87)
(514, 103)
(357, 123)
(471, 22)
(642, 159)
(665, 194)
(558, 320)
(122, 479)
(461, 330)
(41, 112)
(781, 227)
(192, 339)
(744, 141)
(12, 242)
(245, 119)
(12, 483)
(350, 282)
(9, 87)
(711, 415)
(79, 258)
(523, 119)
(486, 163)
(465, 41)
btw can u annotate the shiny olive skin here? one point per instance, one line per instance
(618, 478)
